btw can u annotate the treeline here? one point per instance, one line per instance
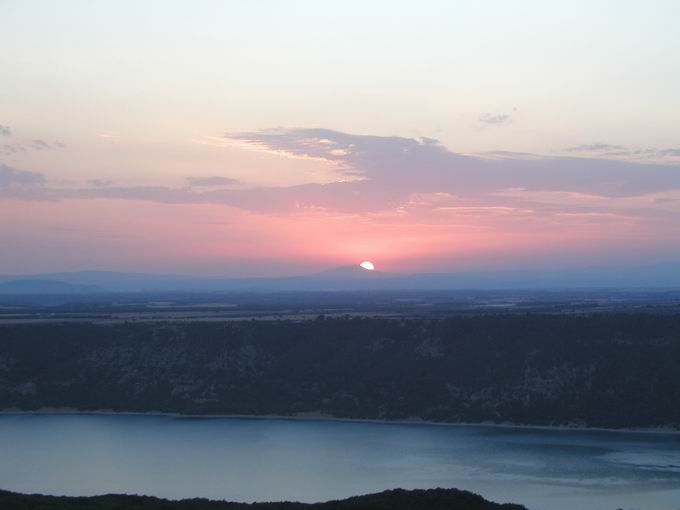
(618, 370)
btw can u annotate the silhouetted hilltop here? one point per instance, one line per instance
(398, 499)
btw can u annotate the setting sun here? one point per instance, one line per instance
(368, 266)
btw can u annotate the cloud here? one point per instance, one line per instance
(212, 181)
(37, 144)
(492, 209)
(12, 177)
(595, 147)
(297, 143)
(412, 176)
(425, 166)
(5, 130)
(495, 119)
(10, 149)
(626, 152)
(99, 183)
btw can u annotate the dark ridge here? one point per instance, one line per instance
(397, 499)
(612, 371)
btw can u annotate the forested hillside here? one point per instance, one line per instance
(616, 370)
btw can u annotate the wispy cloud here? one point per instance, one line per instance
(99, 183)
(36, 144)
(11, 177)
(211, 181)
(495, 119)
(596, 147)
(606, 150)
(5, 130)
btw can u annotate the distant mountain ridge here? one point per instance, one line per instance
(41, 286)
(352, 278)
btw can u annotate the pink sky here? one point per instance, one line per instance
(267, 137)
(406, 204)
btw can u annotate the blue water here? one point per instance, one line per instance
(258, 460)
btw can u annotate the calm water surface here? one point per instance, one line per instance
(249, 460)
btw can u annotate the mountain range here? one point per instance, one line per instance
(350, 278)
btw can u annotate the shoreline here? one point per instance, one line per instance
(329, 418)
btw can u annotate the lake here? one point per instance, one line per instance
(310, 460)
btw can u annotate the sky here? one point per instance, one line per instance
(251, 138)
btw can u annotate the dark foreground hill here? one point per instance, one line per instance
(433, 499)
(618, 370)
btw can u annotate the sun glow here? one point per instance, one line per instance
(368, 266)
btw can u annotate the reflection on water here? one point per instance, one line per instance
(249, 460)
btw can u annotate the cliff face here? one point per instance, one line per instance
(608, 371)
